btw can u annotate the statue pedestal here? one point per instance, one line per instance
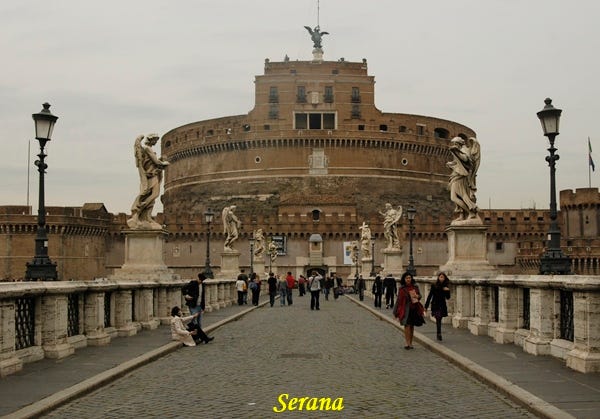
(467, 251)
(259, 268)
(366, 267)
(392, 262)
(230, 264)
(144, 256)
(317, 54)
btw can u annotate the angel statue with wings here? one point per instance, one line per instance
(466, 156)
(316, 35)
(391, 217)
(150, 169)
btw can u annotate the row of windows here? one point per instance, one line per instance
(324, 120)
(301, 96)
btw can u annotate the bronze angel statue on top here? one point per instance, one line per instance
(466, 156)
(316, 35)
(150, 169)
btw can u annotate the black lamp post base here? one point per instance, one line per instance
(555, 263)
(45, 271)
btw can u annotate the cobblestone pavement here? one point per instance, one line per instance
(341, 351)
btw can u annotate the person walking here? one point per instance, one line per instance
(194, 297)
(377, 291)
(255, 287)
(361, 286)
(314, 286)
(328, 285)
(291, 282)
(301, 285)
(272, 282)
(390, 290)
(282, 287)
(409, 311)
(242, 289)
(240, 286)
(438, 294)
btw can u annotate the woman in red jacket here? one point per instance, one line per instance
(410, 311)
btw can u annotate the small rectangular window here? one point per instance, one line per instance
(301, 94)
(273, 94)
(499, 246)
(328, 96)
(382, 127)
(361, 127)
(355, 95)
(420, 129)
(355, 111)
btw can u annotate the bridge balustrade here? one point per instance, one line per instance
(542, 314)
(52, 319)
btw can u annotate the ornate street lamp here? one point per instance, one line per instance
(208, 217)
(42, 268)
(251, 239)
(411, 212)
(372, 275)
(553, 261)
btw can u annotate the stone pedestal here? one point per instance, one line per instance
(54, 327)
(366, 267)
(144, 309)
(463, 307)
(392, 262)
(317, 54)
(467, 251)
(508, 321)
(94, 319)
(123, 321)
(541, 321)
(479, 324)
(230, 264)
(259, 267)
(144, 256)
(9, 362)
(585, 355)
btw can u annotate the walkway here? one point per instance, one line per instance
(340, 351)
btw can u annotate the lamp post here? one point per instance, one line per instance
(411, 211)
(357, 256)
(208, 217)
(251, 239)
(42, 268)
(553, 261)
(372, 257)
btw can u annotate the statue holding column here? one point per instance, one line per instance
(231, 225)
(150, 169)
(365, 240)
(272, 251)
(259, 243)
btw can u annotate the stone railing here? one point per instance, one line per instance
(543, 314)
(51, 319)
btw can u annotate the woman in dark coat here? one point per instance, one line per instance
(377, 291)
(439, 293)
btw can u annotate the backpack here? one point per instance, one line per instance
(253, 286)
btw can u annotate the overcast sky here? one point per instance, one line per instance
(116, 69)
